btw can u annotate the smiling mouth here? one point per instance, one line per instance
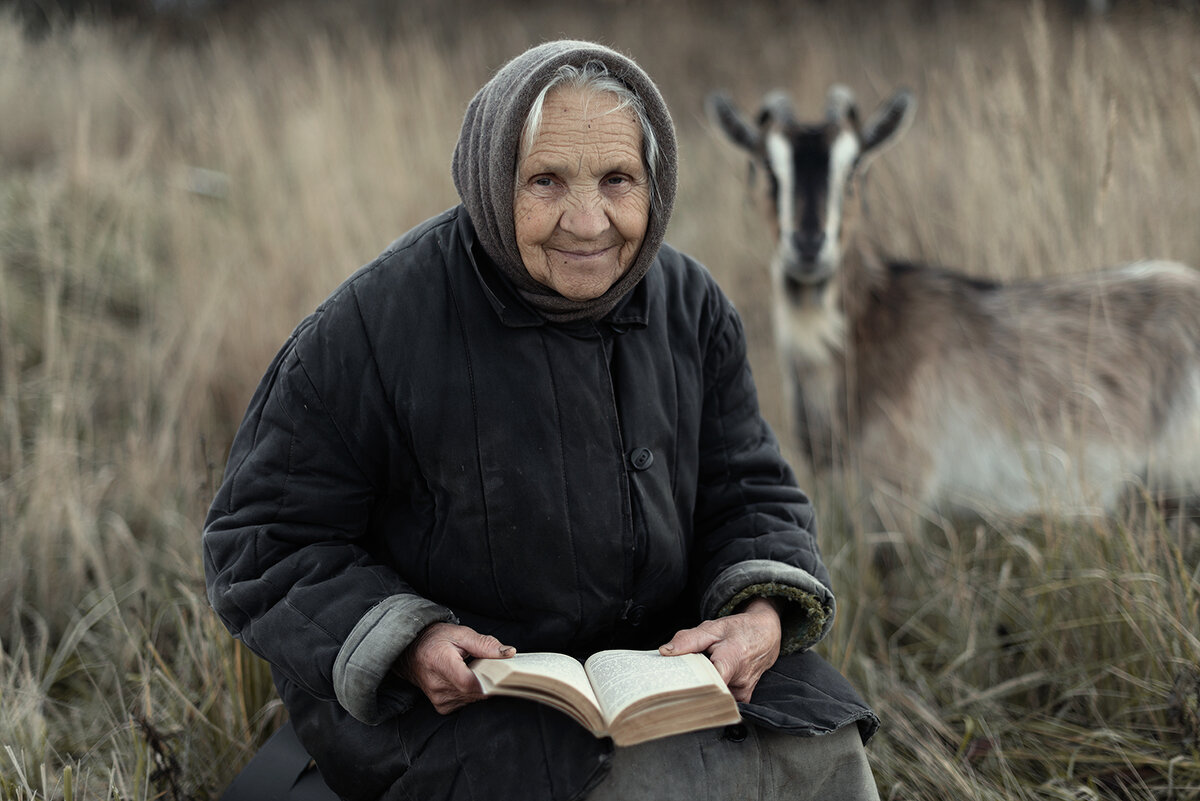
(581, 255)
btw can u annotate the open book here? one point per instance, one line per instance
(630, 696)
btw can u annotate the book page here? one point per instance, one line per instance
(555, 666)
(621, 678)
(555, 679)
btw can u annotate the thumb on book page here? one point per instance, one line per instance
(484, 646)
(690, 641)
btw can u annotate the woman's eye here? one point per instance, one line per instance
(543, 180)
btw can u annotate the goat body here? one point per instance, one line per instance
(961, 394)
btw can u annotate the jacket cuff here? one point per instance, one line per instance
(806, 617)
(361, 672)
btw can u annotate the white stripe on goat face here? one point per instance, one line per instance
(842, 156)
(780, 159)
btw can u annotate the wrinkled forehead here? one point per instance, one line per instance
(581, 120)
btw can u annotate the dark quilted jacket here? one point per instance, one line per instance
(425, 447)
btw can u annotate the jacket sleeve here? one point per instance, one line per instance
(755, 528)
(284, 561)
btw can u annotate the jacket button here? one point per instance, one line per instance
(735, 733)
(641, 458)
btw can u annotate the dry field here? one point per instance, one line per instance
(171, 207)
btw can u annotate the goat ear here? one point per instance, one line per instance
(888, 121)
(736, 127)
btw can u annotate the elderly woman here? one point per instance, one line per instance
(529, 424)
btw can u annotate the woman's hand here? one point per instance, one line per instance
(741, 646)
(436, 661)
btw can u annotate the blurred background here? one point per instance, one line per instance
(182, 181)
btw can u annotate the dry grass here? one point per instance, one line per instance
(141, 296)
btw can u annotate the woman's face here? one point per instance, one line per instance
(582, 199)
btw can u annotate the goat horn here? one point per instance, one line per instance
(841, 107)
(778, 106)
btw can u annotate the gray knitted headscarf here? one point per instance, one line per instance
(485, 167)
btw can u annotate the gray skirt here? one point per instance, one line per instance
(742, 762)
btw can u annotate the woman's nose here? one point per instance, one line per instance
(585, 217)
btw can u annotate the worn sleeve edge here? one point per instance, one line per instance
(810, 606)
(364, 662)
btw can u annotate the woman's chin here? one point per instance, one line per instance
(583, 292)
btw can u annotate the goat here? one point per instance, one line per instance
(959, 394)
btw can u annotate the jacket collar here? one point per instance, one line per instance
(631, 312)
